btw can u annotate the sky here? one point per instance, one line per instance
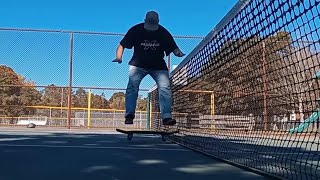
(45, 57)
(180, 17)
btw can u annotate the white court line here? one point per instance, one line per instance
(263, 153)
(92, 147)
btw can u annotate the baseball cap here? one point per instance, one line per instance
(151, 22)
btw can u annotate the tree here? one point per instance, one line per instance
(254, 75)
(51, 96)
(292, 76)
(117, 101)
(30, 96)
(99, 101)
(81, 98)
(142, 103)
(56, 97)
(10, 89)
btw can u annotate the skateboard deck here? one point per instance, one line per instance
(130, 133)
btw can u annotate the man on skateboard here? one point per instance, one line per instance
(150, 41)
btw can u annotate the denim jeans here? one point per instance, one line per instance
(161, 78)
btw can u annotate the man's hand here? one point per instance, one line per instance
(119, 61)
(177, 52)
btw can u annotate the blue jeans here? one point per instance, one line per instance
(161, 78)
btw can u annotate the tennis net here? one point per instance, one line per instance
(249, 92)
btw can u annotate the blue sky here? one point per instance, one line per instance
(44, 57)
(180, 17)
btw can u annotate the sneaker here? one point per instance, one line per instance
(129, 120)
(169, 121)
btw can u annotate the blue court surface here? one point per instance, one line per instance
(52, 154)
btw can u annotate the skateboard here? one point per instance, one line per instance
(163, 133)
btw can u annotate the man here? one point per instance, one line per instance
(150, 41)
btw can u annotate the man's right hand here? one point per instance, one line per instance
(177, 52)
(117, 60)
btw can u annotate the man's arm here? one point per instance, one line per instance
(172, 45)
(120, 51)
(119, 54)
(126, 42)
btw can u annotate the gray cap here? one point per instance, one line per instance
(151, 22)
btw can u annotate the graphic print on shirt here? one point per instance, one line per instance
(150, 45)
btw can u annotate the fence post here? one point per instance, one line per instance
(113, 119)
(212, 111)
(70, 81)
(140, 121)
(89, 109)
(264, 74)
(149, 111)
(212, 103)
(169, 63)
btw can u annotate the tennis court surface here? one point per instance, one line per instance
(77, 154)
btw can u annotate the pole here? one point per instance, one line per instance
(149, 111)
(89, 109)
(61, 103)
(169, 63)
(212, 126)
(70, 82)
(212, 104)
(265, 116)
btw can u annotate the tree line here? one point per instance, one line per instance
(17, 94)
(254, 75)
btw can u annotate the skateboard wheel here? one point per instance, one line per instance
(130, 137)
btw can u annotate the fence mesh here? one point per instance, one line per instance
(249, 93)
(41, 69)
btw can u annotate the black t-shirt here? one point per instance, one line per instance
(149, 46)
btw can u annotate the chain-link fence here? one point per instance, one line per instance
(47, 76)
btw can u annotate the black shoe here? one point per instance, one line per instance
(129, 120)
(169, 121)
